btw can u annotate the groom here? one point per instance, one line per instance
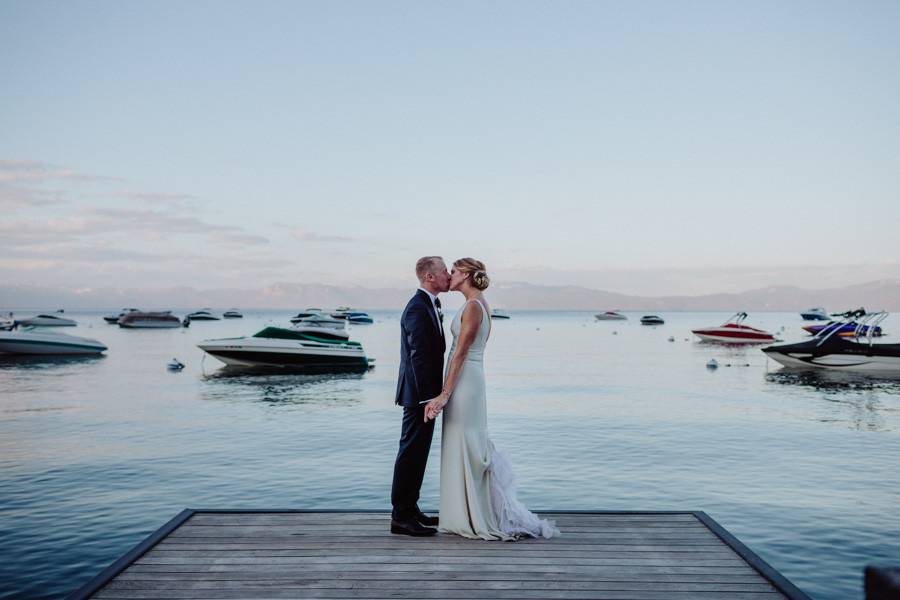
(422, 349)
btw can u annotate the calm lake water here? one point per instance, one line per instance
(96, 454)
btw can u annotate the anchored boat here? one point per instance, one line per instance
(48, 321)
(149, 320)
(815, 314)
(733, 331)
(610, 315)
(33, 341)
(302, 348)
(652, 320)
(830, 349)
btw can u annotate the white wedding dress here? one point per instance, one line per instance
(478, 489)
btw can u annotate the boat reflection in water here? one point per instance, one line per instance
(853, 398)
(275, 386)
(37, 362)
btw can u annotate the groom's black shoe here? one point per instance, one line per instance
(425, 520)
(411, 527)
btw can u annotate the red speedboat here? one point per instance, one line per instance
(733, 331)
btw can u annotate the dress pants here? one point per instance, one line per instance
(409, 468)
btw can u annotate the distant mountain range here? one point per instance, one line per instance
(884, 294)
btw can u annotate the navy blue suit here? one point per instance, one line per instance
(421, 377)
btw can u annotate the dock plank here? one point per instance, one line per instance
(234, 555)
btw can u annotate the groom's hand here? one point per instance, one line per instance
(434, 407)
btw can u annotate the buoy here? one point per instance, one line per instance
(712, 364)
(615, 333)
(671, 338)
(175, 365)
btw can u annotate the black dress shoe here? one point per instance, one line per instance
(411, 527)
(424, 519)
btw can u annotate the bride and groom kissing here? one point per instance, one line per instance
(477, 493)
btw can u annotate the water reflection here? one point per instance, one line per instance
(34, 362)
(843, 381)
(852, 398)
(280, 387)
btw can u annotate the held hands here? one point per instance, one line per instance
(435, 406)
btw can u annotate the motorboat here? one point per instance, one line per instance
(149, 320)
(33, 341)
(610, 315)
(233, 313)
(48, 321)
(499, 313)
(7, 322)
(815, 314)
(113, 319)
(302, 348)
(319, 321)
(733, 331)
(359, 317)
(305, 314)
(652, 320)
(844, 329)
(202, 315)
(341, 312)
(830, 350)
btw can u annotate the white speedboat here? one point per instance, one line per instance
(610, 315)
(830, 350)
(298, 348)
(7, 323)
(202, 315)
(115, 318)
(309, 312)
(319, 321)
(233, 314)
(815, 314)
(733, 331)
(34, 341)
(149, 320)
(48, 321)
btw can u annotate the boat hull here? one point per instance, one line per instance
(151, 324)
(604, 317)
(13, 342)
(733, 335)
(837, 354)
(814, 317)
(41, 322)
(263, 352)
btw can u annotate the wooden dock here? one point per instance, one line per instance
(339, 554)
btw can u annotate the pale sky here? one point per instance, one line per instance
(640, 147)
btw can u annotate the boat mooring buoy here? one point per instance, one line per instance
(671, 338)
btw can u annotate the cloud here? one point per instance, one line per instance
(13, 197)
(33, 171)
(167, 198)
(149, 224)
(309, 236)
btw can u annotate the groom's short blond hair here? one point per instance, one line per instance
(427, 264)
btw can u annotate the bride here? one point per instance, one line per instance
(478, 493)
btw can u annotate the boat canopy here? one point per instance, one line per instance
(320, 335)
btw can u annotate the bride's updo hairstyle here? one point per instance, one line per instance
(480, 278)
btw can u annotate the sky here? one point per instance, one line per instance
(640, 147)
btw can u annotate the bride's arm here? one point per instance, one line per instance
(468, 329)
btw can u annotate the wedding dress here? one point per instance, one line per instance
(478, 490)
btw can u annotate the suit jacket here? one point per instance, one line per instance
(422, 348)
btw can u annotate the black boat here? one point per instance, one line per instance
(652, 320)
(830, 350)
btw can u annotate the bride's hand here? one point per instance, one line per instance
(435, 406)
